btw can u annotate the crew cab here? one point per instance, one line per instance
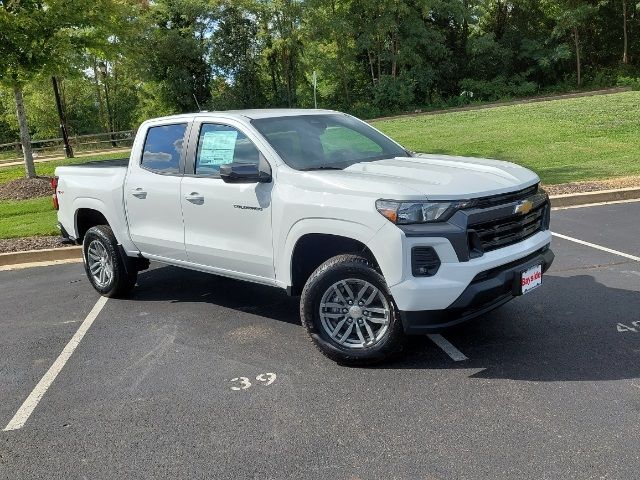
(379, 242)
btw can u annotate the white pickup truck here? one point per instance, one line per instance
(380, 242)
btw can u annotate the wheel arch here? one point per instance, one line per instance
(310, 244)
(90, 212)
(86, 218)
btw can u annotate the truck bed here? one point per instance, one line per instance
(118, 162)
(95, 186)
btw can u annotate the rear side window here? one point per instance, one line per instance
(163, 147)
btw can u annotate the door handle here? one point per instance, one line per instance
(195, 198)
(139, 193)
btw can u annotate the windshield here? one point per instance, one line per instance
(313, 142)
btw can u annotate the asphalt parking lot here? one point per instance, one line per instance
(547, 387)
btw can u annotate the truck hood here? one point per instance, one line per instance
(438, 177)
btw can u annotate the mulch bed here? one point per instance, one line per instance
(25, 188)
(593, 185)
(31, 243)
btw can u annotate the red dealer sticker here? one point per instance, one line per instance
(531, 278)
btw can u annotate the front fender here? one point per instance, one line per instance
(326, 226)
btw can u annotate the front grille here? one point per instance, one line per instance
(503, 198)
(509, 230)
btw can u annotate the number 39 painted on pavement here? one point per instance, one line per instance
(244, 383)
(625, 328)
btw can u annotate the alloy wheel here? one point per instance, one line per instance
(355, 313)
(100, 263)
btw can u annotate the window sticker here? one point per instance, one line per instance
(217, 148)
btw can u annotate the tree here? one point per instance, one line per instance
(625, 35)
(44, 37)
(122, 61)
(280, 32)
(571, 16)
(235, 57)
(330, 47)
(175, 50)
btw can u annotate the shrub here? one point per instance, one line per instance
(633, 82)
(499, 88)
(393, 94)
(365, 110)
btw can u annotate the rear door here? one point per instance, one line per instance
(152, 192)
(227, 226)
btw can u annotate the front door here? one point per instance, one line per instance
(227, 226)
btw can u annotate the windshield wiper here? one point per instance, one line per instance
(324, 167)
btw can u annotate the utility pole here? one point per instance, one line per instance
(68, 151)
(315, 85)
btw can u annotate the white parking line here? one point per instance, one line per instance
(598, 247)
(448, 348)
(26, 409)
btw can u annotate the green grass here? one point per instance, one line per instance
(46, 169)
(563, 140)
(26, 218)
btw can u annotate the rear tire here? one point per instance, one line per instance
(111, 273)
(349, 312)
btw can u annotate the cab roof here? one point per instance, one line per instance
(251, 114)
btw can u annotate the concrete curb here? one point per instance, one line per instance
(69, 254)
(45, 255)
(601, 196)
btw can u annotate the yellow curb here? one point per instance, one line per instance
(601, 196)
(46, 255)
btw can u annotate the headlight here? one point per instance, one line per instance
(403, 213)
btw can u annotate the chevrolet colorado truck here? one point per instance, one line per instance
(378, 241)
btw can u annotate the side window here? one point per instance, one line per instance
(163, 147)
(222, 144)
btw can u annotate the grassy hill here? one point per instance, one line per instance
(562, 140)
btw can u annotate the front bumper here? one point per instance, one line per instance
(488, 290)
(442, 290)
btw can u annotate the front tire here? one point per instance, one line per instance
(349, 312)
(111, 273)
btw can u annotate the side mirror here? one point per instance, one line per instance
(244, 173)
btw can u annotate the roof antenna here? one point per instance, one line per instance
(198, 105)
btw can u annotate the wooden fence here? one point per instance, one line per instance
(54, 147)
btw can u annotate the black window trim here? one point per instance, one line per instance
(183, 153)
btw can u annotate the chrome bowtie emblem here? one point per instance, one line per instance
(523, 207)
